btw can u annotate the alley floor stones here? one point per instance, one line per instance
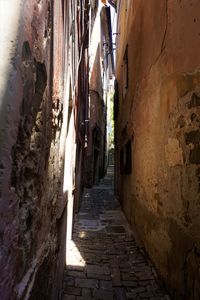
(103, 260)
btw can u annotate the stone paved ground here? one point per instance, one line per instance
(104, 260)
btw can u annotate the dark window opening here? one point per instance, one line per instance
(116, 101)
(70, 106)
(125, 72)
(126, 159)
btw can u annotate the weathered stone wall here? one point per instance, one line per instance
(159, 113)
(31, 164)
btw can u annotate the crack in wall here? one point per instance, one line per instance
(163, 40)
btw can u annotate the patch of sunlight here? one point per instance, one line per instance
(74, 257)
(70, 209)
(70, 157)
(9, 26)
(95, 39)
(82, 234)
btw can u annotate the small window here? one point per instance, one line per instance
(122, 161)
(126, 159)
(125, 72)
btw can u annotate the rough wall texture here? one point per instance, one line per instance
(30, 163)
(159, 113)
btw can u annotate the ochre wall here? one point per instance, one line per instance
(160, 114)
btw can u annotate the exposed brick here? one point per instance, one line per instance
(192, 137)
(194, 157)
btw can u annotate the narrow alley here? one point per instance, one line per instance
(99, 149)
(105, 261)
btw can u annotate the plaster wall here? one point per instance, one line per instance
(160, 115)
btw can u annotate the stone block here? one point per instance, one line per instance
(120, 293)
(73, 291)
(105, 285)
(86, 283)
(103, 294)
(68, 297)
(78, 274)
(86, 292)
(116, 281)
(95, 269)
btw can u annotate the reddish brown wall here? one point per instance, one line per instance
(30, 165)
(160, 114)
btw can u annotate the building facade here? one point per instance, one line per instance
(44, 51)
(157, 134)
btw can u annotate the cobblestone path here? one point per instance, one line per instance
(104, 261)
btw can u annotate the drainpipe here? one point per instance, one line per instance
(87, 100)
